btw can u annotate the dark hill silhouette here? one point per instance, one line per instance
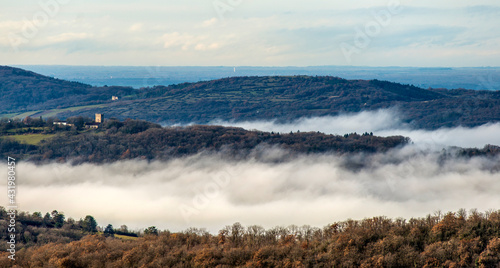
(23, 91)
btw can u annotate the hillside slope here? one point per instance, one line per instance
(455, 239)
(134, 139)
(23, 91)
(288, 98)
(245, 98)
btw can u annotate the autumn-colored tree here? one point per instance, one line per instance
(490, 258)
(441, 240)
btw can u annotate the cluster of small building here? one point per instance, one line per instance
(99, 119)
(62, 123)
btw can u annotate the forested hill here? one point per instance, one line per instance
(453, 239)
(282, 98)
(287, 98)
(23, 91)
(115, 140)
(41, 141)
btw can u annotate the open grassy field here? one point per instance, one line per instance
(23, 115)
(126, 237)
(8, 115)
(50, 113)
(54, 112)
(33, 139)
(27, 128)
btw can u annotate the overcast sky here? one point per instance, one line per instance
(251, 32)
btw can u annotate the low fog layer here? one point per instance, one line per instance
(385, 122)
(206, 191)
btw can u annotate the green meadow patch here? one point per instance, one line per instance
(33, 139)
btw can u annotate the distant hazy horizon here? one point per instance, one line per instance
(145, 76)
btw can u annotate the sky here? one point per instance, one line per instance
(450, 33)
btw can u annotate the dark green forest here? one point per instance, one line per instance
(135, 139)
(283, 98)
(24, 91)
(41, 141)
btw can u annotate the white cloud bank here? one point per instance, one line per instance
(384, 122)
(207, 191)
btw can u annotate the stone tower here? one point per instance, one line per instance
(99, 118)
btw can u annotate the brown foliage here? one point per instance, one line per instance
(453, 240)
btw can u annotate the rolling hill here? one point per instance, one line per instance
(245, 98)
(24, 91)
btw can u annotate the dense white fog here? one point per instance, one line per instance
(207, 191)
(384, 122)
(210, 191)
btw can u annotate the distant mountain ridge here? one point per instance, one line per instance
(143, 76)
(245, 98)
